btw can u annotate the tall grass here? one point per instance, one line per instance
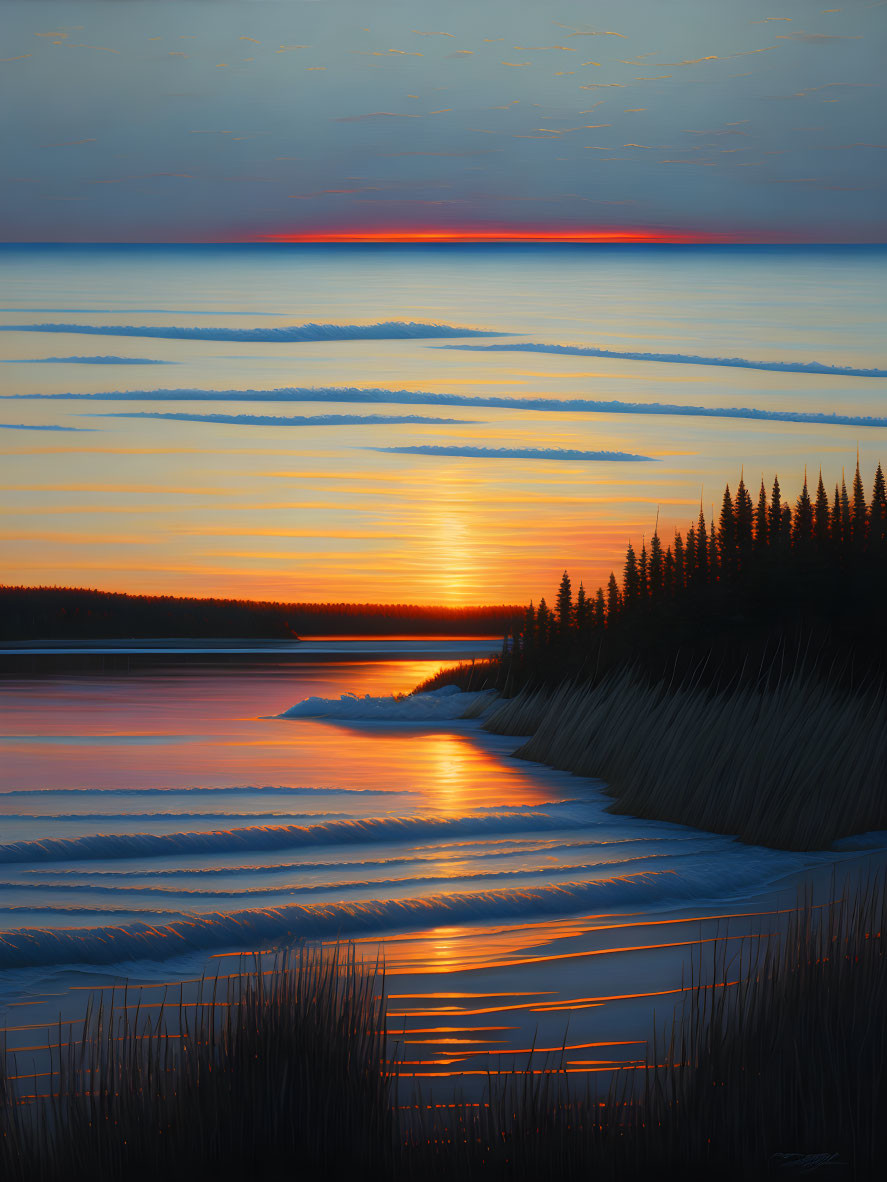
(270, 1072)
(776, 1065)
(791, 762)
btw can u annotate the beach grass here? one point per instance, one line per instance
(790, 761)
(774, 1066)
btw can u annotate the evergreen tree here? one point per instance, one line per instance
(680, 569)
(878, 513)
(643, 574)
(859, 511)
(564, 606)
(727, 541)
(668, 574)
(714, 554)
(774, 523)
(583, 612)
(543, 624)
(690, 557)
(821, 514)
(598, 612)
(744, 514)
(702, 564)
(656, 566)
(785, 530)
(835, 520)
(630, 578)
(845, 513)
(802, 526)
(613, 601)
(529, 633)
(761, 520)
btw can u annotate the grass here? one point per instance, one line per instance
(775, 1066)
(791, 762)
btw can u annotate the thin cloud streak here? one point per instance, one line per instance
(513, 453)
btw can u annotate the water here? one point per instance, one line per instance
(314, 511)
(158, 822)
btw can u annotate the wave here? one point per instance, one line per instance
(816, 367)
(288, 420)
(513, 453)
(448, 702)
(376, 396)
(249, 928)
(340, 886)
(436, 854)
(387, 330)
(270, 837)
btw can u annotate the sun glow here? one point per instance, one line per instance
(493, 234)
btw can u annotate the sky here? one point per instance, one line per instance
(259, 121)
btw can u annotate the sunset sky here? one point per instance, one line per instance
(693, 119)
(219, 451)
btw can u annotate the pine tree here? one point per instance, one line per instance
(643, 574)
(821, 514)
(714, 554)
(598, 611)
(859, 511)
(656, 566)
(668, 574)
(761, 520)
(802, 526)
(744, 514)
(845, 513)
(727, 543)
(702, 564)
(680, 568)
(690, 557)
(613, 600)
(774, 523)
(582, 613)
(528, 636)
(543, 624)
(630, 578)
(878, 513)
(564, 606)
(785, 528)
(835, 520)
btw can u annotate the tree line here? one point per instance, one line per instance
(764, 564)
(75, 613)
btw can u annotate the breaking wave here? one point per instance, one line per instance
(249, 928)
(445, 703)
(276, 837)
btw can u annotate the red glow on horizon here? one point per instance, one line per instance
(493, 234)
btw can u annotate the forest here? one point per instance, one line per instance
(71, 613)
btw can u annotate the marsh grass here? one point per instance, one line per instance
(268, 1067)
(774, 1066)
(789, 762)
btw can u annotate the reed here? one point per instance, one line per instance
(775, 1066)
(269, 1067)
(789, 762)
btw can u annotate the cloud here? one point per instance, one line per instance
(816, 367)
(513, 453)
(39, 427)
(375, 115)
(374, 396)
(285, 420)
(107, 360)
(388, 330)
(813, 38)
